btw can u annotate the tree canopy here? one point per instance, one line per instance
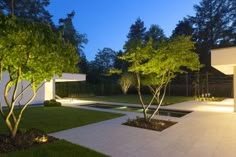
(69, 32)
(33, 52)
(156, 67)
(104, 60)
(136, 34)
(214, 26)
(183, 28)
(77, 39)
(34, 10)
(155, 33)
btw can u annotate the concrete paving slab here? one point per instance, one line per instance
(205, 134)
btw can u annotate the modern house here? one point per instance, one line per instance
(46, 91)
(224, 60)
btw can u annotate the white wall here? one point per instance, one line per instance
(46, 91)
(40, 97)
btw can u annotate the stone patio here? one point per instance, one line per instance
(205, 134)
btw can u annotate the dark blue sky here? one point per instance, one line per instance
(107, 22)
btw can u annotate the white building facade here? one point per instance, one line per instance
(45, 92)
(224, 60)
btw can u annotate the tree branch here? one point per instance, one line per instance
(1, 111)
(22, 92)
(22, 110)
(159, 105)
(140, 95)
(163, 95)
(6, 91)
(154, 96)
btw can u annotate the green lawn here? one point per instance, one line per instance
(52, 119)
(135, 100)
(59, 148)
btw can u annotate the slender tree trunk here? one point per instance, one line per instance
(140, 97)
(159, 105)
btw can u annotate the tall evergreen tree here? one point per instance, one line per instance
(156, 33)
(214, 26)
(69, 32)
(75, 38)
(136, 35)
(184, 27)
(34, 10)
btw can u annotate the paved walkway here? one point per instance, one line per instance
(212, 106)
(204, 134)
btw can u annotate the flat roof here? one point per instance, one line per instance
(70, 77)
(224, 59)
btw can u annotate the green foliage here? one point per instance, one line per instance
(32, 52)
(104, 60)
(126, 81)
(215, 23)
(34, 49)
(155, 33)
(183, 28)
(51, 103)
(136, 35)
(214, 27)
(28, 9)
(166, 61)
(100, 67)
(156, 67)
(70, 34)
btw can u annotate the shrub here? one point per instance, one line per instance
(51, 103)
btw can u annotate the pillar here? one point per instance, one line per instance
(53, 88)
(49, 89)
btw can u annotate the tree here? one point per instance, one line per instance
(99, 68)
(183, 28)
(155, 33)
(69, 32)
(214, 26)
(136, 35)
(155, 68)
(30, 52)
(34, 10)
(119, 63)
(83, 63)
(126, 81)
(104, 60)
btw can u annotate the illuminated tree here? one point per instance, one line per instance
(126, 81)
(155, 68)
(30, 53)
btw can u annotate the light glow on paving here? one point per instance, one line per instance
(71, 101)
(226, 105)
(210, 108)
